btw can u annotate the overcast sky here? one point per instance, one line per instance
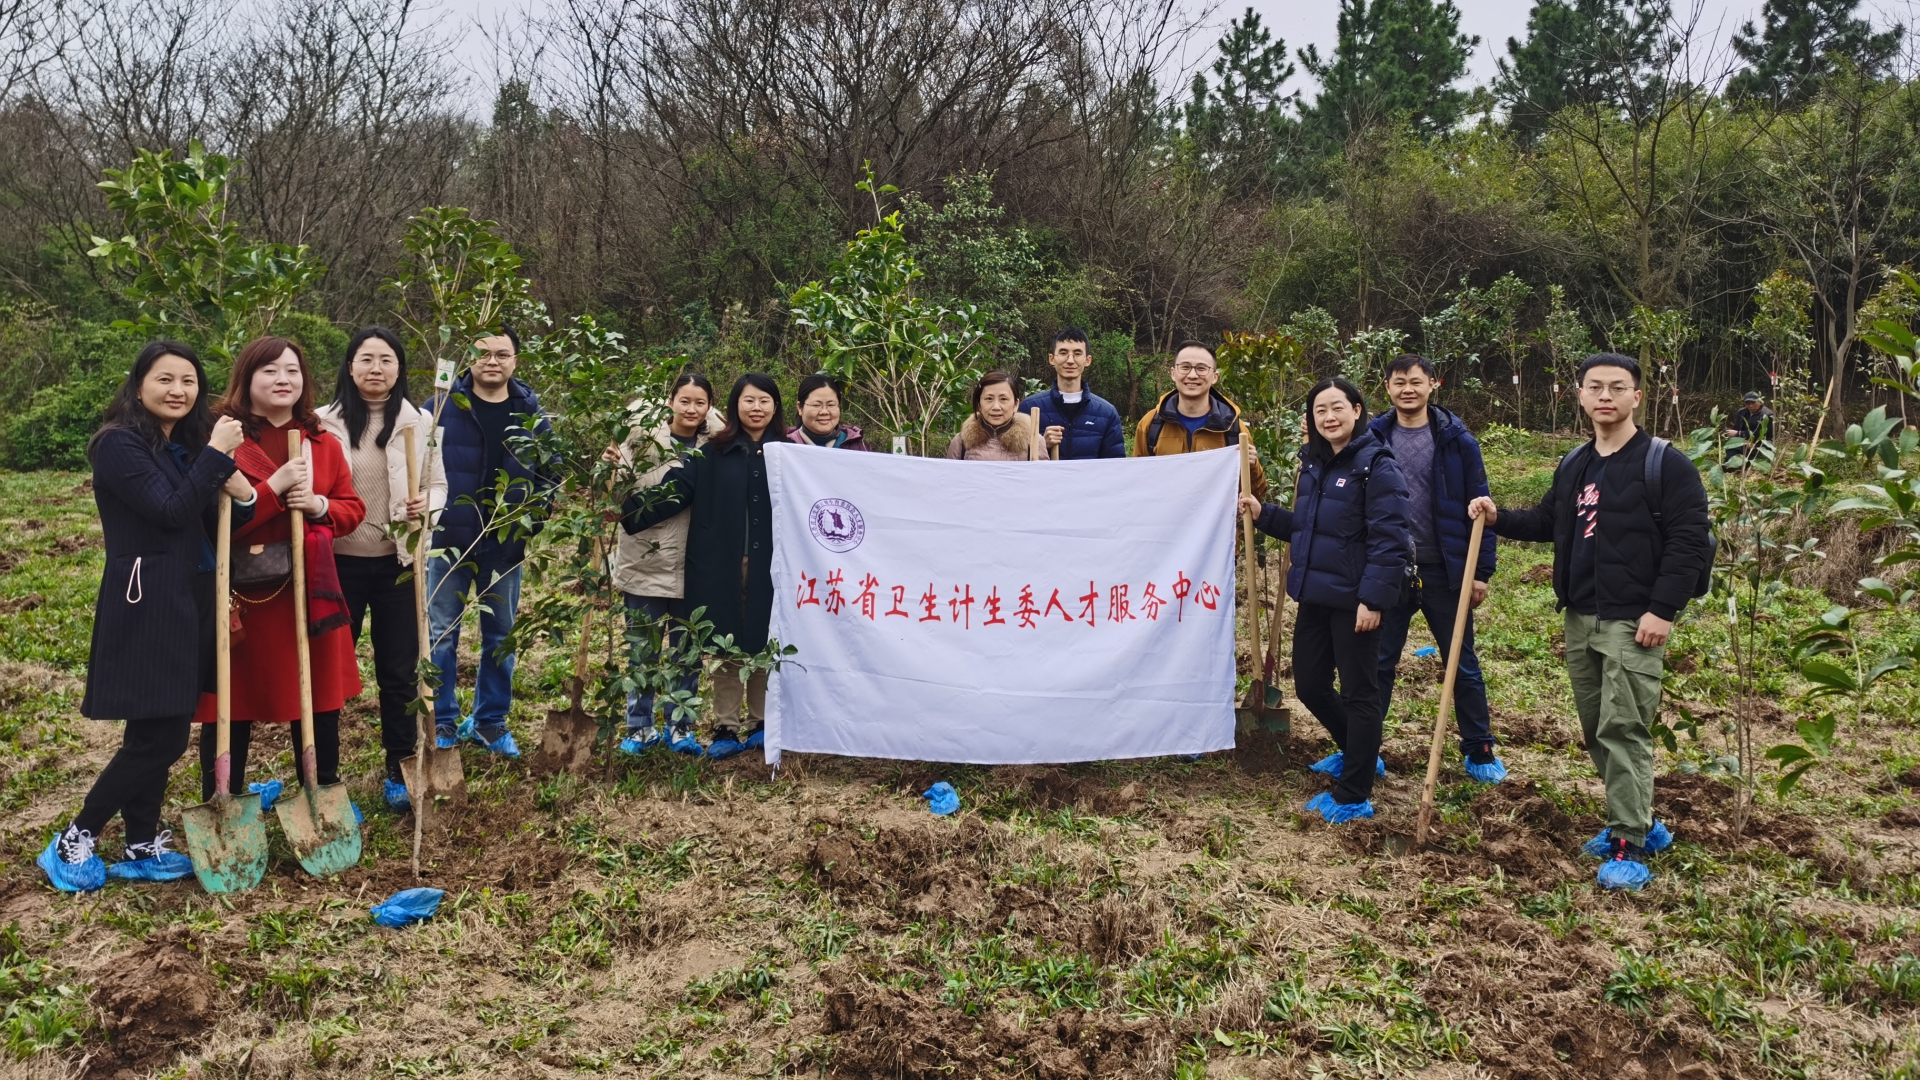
(1298, 22)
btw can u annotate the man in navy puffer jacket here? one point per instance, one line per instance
(1348, 529)
(1078, 421)
(1441, 461)
(474, 444)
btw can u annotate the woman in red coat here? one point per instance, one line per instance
(271, 394)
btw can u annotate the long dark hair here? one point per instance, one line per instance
(126, 412)
(237, 402)
(757, 381)
(691, 378)
(1317, 445)
(346, 392)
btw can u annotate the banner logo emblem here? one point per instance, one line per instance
(836, 524)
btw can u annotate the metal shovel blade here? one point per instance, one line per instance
(567, 743)
(446, 777)
(320, 828)
(227, 840)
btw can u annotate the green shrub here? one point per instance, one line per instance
(52, 432)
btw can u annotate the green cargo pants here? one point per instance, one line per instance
(1616, 688)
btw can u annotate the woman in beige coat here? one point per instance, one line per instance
(649, 567)
(369, 415)
(996, 431)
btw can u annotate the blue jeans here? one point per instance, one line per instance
(497, 580)
(1439, 601)
(642, 611)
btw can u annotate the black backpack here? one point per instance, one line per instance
(1656, 458)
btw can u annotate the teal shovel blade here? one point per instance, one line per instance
(320, 829)
(227, 840)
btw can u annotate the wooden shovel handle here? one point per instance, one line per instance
(223, 650)
(309, 772)
(1036, 447)
(1460, 616)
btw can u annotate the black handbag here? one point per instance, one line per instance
(259, 567)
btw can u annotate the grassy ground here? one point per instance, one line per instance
(1117, 919)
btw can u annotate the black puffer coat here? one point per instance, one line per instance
(1348, 528)
(726, 484)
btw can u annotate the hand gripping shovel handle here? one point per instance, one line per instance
(309, 764)
(1460, 616)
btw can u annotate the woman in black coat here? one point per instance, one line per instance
(729, 551)
(1351, 552)
(160, 464)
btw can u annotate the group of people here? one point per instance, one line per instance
(1378, 531)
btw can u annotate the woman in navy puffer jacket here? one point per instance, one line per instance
(1351, 554)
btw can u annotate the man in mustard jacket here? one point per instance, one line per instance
(1193, 415)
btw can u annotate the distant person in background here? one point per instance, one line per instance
(1194, 415)
(1753, 424)
(1072, 417)
(1440, 460)
(369, 412)
(478, 554)
(819, 416)
(996, 431)
(729, 550)
(161, 463)
(650, 566)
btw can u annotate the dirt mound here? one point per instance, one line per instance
(1533, 729)
(885, 1031)
(152, 1002)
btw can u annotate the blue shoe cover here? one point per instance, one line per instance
(721, 749)
(1333, 764)
(941, 799)
(686, 742)
(1659, 839)
(445, 736)
(465, 732)
(641, 740)
(269, 792)
(757, 739)
(358, 817)
(72, 877)
(1426, 650)
(1623, 874)
(1341, 813)
(1491, 773)
(1319, 803)
(407, 906)
(501, 743)
(167, 866)
(396, 794)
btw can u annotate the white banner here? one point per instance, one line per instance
(1002, 612)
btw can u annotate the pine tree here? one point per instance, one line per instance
(1394, 58)
(1582, 52)
(1238, 124)
(1803, 42)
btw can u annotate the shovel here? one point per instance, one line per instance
(225, 835)
(319, 820)
(1271, 701)
(1446, 688)
(567, 742)
(443, 774)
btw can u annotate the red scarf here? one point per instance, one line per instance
(326, 603)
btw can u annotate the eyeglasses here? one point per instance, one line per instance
(1618, 389)
(503, 354)
(1192, 369)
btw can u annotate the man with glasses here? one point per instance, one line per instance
(482, 536)
(1632, 543)
(1076, 422)
(1193, 415)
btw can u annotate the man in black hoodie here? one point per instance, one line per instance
(1632, 542)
